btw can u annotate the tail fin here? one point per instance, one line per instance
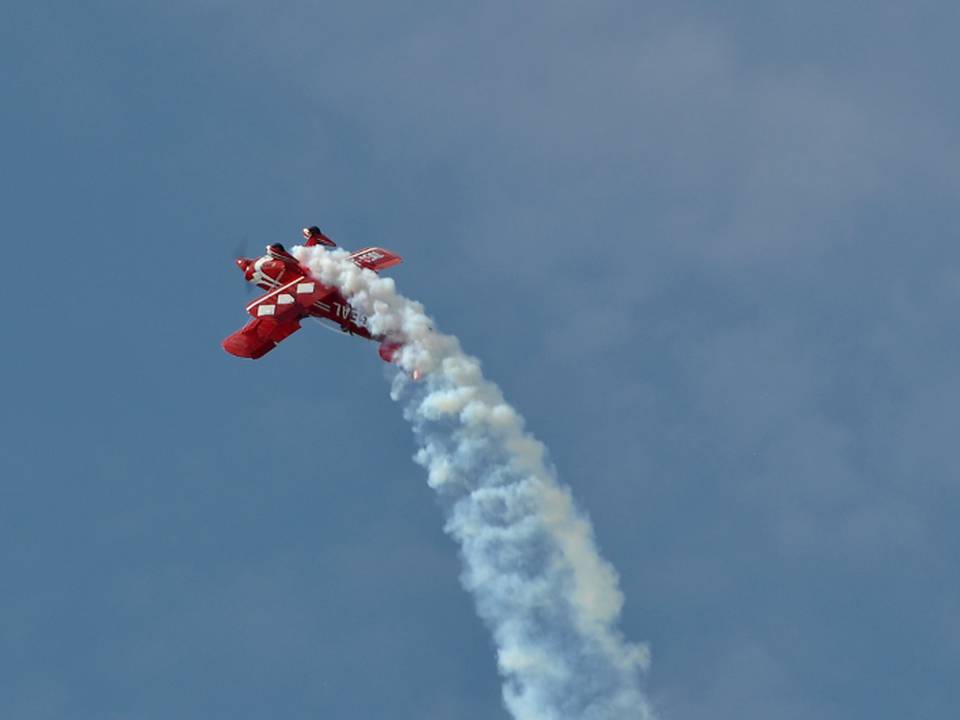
(375, 258)
(315, 237)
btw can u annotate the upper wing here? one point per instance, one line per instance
(289, 300)
(276, 316)
(376, 258)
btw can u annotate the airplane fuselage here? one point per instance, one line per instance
(293, 293)
(278, 267)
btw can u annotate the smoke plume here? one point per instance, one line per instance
(530, 561)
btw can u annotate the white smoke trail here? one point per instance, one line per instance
(530, 560)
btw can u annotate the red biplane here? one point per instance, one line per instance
(293, 294)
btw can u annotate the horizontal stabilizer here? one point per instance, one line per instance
(376, 258)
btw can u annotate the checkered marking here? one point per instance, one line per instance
(284, 299)
(265, 309)
(303, 288)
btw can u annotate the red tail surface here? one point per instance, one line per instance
(376, 258)
(314, 236)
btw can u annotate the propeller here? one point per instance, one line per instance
(241, 249)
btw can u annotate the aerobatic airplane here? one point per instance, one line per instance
(293, 294)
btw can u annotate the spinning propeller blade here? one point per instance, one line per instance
(241, 249)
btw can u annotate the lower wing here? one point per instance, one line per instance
(259, 336)
(276, 316)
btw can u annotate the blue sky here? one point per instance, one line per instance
(709, 252)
